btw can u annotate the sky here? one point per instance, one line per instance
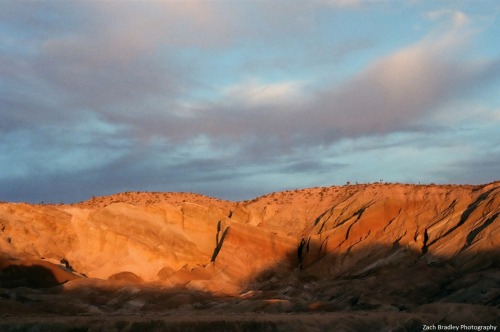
(235, 99)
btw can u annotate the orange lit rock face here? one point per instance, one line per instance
(219, 246)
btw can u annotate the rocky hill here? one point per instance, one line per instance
(383, 247)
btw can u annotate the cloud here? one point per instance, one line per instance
(474, 171)
(456, 17)
(196, 96)
(309, 166)
(107, 56)
(254, 94)
(343, 3)
(389, 95)
(399, 88)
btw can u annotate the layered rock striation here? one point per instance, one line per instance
(197, 242)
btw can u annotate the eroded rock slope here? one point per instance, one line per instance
(201, 243)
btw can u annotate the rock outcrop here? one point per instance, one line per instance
(376, 256)
(221, 246)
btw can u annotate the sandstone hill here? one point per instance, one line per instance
(390, 248)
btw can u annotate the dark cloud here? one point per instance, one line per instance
(100, 97)
(114, 68)
(310, 166)
(32, 21)
(480, 170)
(138, 171)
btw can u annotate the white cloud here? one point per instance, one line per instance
(392, 94)
(405, 85)
(254, 93)
(456, 17)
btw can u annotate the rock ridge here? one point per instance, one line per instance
(203, 243)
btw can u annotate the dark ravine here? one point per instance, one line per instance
(219, 242)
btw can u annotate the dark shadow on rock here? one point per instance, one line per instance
(126, 276)
(32, 273)
(375, 287)
(34, 276)
(385, 278)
